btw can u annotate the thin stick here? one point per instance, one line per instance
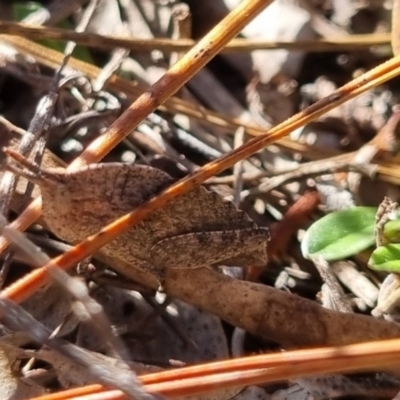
(349, 42)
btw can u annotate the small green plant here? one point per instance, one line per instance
(345, 233)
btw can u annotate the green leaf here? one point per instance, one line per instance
(391, 231)
(340, 234)
(386, 258)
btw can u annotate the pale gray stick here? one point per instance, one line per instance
(79, 291)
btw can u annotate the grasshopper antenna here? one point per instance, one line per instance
(31, 171)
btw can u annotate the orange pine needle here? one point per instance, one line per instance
(254, 370)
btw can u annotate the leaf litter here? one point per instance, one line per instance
(178, 145)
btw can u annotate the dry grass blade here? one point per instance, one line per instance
(352, 42)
